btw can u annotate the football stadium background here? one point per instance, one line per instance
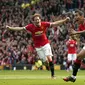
(18, 58)
(16, 48)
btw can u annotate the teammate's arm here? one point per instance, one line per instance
(15, 28)
(78, 32)
(59, 22)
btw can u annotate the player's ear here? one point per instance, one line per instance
(82, 17)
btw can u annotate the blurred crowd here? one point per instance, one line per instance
(17, 47)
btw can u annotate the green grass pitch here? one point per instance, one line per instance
(38, 77)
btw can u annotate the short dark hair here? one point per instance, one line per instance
(36, 15)
(81, 13)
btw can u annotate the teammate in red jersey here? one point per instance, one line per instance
(38, 30)
(79, 17)
(71, 47)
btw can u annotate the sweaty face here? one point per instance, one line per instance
(37, 21)
(78, 18)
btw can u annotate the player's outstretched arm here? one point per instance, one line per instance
(15, 28)
(60, 21)
(79, 32)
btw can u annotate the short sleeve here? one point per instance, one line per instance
(28, 27)
(47, 24)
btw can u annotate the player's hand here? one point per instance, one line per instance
(67, 18)
(8, 27)
(72, 32)
(74, 35)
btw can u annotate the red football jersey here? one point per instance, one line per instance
(81, 27)
(71, 46)
(39, 33)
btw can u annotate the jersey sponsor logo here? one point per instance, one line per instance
(38, 33)
(71, 45)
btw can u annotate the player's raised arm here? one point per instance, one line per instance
(59, 21)
(15, 28)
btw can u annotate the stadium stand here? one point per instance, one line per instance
(16, 48)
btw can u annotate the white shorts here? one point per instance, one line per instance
(44, 51)
(84, 47)
(72, 57)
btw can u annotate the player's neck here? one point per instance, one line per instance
(38, 25)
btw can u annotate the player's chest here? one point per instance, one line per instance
(71, 44)
(39, 31)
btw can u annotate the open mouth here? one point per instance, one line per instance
(76, 20)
